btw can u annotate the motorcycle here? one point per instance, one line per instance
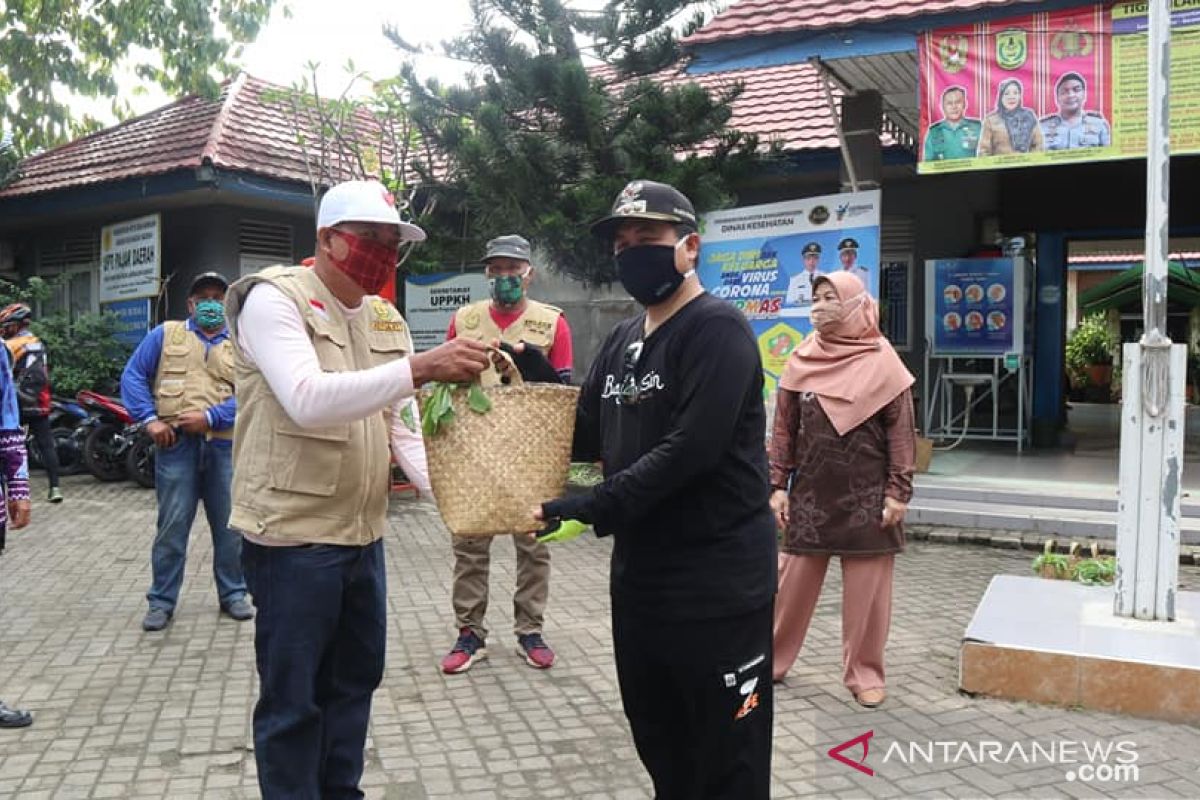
(139, 457)
(104, 435)
(65, 417)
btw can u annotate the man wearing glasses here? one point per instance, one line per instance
(673, 407)
(510, 317)
(324, 372)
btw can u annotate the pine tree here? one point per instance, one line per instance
(542, 143)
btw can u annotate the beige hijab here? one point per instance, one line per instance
(851, 368)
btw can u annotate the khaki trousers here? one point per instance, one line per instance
(866, 613)
(472, 557)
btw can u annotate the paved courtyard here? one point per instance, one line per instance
(124, 714)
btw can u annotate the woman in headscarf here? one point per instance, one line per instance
(842, 460)
(1011, 128)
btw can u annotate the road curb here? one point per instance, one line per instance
(1022, 540)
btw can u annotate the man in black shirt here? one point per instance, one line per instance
(673, 408)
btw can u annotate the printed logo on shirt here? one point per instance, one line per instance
(630, 390)
(537, 326)
(381, 309)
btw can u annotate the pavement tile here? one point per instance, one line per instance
(121, 713)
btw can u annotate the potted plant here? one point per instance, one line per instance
(1095, 570)
(1090, 350)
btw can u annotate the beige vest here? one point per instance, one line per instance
(325, 485)
(536, 326)
(188, 379)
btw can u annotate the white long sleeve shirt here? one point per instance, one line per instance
(271, 335)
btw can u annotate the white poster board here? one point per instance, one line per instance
(130, 259)
(431, 300)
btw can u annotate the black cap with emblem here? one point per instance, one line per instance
(811, 249)
(847, 244)
(647, 200)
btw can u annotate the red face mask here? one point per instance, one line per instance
(368, 263)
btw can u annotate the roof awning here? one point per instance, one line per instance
(894, 76)
(1183, 288)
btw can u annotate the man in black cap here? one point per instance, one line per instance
(673, 409)
(800, 287)
(848, 254)
(179, 382)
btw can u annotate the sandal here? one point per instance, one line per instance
(13, 717)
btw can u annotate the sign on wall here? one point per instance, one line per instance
(764, 259)
(1054, 87)
(130, 259)
(133, 319)
(431, 300)
(977, 306)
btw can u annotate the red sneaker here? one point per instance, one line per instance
(467, 650)
(537, 653)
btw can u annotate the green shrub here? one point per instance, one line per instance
(1090, 343)
(84, 352)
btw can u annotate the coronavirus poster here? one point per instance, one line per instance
(765, 260)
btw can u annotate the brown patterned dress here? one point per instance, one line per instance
(837, 483)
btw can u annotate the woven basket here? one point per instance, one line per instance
(490, 471)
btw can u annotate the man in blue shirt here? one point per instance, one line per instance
(179, 382)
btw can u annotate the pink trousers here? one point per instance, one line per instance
(866, 613)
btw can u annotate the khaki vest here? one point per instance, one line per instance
(536, 326)
(325, 485)
(188, 379)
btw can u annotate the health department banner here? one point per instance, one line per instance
(1055, 87)
(764, 259)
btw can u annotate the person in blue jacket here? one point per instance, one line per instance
(14, 491)
(179, 383)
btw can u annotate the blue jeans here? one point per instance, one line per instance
(320, 636)
(189, 471)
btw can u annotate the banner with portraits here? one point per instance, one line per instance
(1052, 87)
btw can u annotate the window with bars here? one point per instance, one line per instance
(898, 240)
(75, 262)
(263, 244)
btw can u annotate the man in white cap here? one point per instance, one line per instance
(325, 378)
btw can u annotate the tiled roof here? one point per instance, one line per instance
(761, 17)
(240, 130)
(785, 104)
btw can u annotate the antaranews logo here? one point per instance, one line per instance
(1096, 761)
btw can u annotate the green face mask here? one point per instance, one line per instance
(210, 314)
(507, 290)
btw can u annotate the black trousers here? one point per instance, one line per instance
(319, 642)
(698, 696)
(39, 426)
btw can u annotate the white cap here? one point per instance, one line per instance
(364, 201)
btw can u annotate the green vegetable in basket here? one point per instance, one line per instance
(437, 410)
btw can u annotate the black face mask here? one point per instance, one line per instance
(648, 272)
